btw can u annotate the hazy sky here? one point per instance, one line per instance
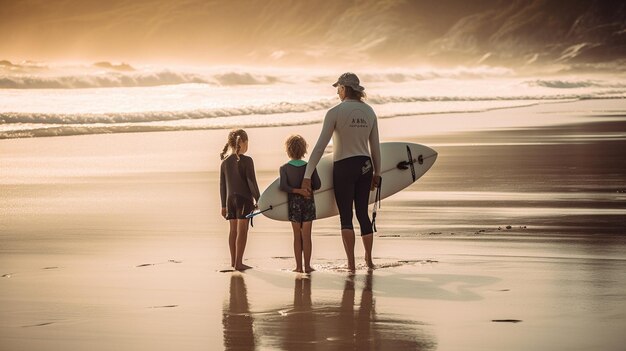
(391, 32)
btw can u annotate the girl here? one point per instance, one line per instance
(239, 192)
(301, 205)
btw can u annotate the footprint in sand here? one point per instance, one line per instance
(37, 325)
(506, 320)
(164, 306)
(154, 264)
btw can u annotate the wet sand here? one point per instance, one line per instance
(115, 242)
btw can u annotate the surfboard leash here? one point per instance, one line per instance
(377, 203)
(252, 214)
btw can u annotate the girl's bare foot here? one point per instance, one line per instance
(297, 270)
(369, 262)
(242, 267)
(309, 270)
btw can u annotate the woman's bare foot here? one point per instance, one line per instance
(309, 270)
(242, 267)
(297, 270)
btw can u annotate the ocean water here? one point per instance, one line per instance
(38, 99)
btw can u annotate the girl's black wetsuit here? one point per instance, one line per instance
(238, 186)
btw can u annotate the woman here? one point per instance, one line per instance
(356, 169)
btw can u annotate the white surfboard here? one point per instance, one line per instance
(401, 164)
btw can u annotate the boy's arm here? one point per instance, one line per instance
(284, 183)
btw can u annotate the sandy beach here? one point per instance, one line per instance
(514, 240)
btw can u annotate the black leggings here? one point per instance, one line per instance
(352, 179)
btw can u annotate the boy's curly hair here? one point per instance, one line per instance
(295, 146)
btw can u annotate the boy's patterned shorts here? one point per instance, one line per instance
(300, 209)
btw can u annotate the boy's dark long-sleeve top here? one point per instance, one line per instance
(291, 175)
(237, 177)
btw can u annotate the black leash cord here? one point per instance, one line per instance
(377, 203)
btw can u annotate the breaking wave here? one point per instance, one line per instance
(214, 97)
(564, 84)
(108, 80)
(44, 125)
(110, 75)
(270, 109)
(156, 116)
(120, 79)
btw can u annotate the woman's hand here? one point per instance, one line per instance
(224, 212)
(302, 192)
(306, 185)
(375, 182)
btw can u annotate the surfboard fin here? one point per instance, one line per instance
(406, 164)
(403, 165)
(410, 163)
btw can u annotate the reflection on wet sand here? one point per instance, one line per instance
(237, 320)
(327, 325)
(299, 322)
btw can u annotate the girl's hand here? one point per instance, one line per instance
(224, 212)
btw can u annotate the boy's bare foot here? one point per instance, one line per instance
(309, 270)
(297, 270)
(242, 267)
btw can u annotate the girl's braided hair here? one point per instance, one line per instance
(235, 138)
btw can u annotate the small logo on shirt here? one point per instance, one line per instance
(358, 122)
(357, 119)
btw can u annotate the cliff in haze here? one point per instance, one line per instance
(575, 34)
